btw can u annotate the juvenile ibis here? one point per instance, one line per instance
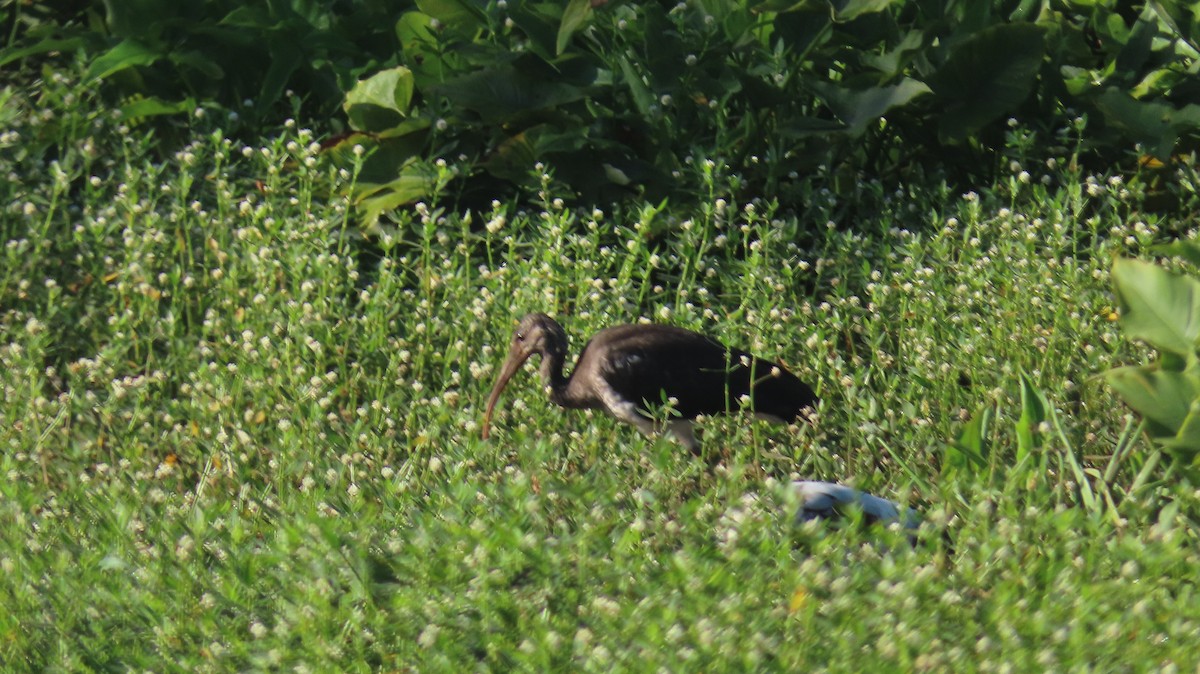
(828, 501)
(625, 368)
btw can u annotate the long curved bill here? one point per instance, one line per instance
(511, 365)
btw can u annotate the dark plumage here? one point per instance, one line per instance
(626, 368)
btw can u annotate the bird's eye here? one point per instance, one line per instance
(520, 336)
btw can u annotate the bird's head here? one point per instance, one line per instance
(536, 333)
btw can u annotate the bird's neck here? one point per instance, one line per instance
(553, 379)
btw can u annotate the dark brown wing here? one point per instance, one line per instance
(650, 363)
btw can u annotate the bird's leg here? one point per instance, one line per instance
(684, 431)
(681, 429)
(646, 426)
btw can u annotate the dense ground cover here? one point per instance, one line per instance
(235, 436)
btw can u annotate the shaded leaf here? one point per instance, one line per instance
(1163, 397)
(642, 97)
(859, 108)
(499, 94)
(458, 15)
(127, 54)
(848, 10)
(893, 62)
(575, 15)
(1188, 250)
(286, 57)
(1136, 47)
(415, 183)
(199, 61)
(801, 127)
(1033, 413)
(513, 158)
(969, 452)
(152, 107)
(840, 10)
(46, 45)
(249, 16)
(782, 6)
(987, 75)
(380, 101)
(1185, 444)
(1155, 124)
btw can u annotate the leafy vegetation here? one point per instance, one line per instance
(233, 441)
(615, 95)
(1163, 309)
(236, 434)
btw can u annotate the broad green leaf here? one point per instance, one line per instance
(1158, 82)
(513, 157)
(540, 22)
(894, 61)
(575, 15)
(1027, 10)
(386, 155)
(1173, 16)
(1136, 48)
(642, 97)
(249, 16)
(499, 94)
(987, 75)
(859, 108)
(405, 128)
(46, 45)
(1186, 443)
(147, 18)
(286, 57)
(1157, 306)
(803, 127)
(1155, 124)
(430, 64)
(1117, 29)
(199, 61)
(768, 6)
(415, 183)
(1079, 81)
(152, 107)
(458, 15)
(848, 10)
(380, 101)
(1162, 397)
(1188, 250)
(1033, 413)
(840, 10)
(127, 54)
(391, 152)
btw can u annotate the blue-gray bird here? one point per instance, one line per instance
(828, 500)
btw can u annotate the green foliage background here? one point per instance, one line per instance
(619, 95)
(237, 434)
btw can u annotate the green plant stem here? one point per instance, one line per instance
(1144, 474)
(1124, 443)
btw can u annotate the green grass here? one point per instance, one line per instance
(233, 441)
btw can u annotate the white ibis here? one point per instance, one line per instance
(827, 501)
(625, 368)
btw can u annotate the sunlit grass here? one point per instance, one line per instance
(234, 440)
